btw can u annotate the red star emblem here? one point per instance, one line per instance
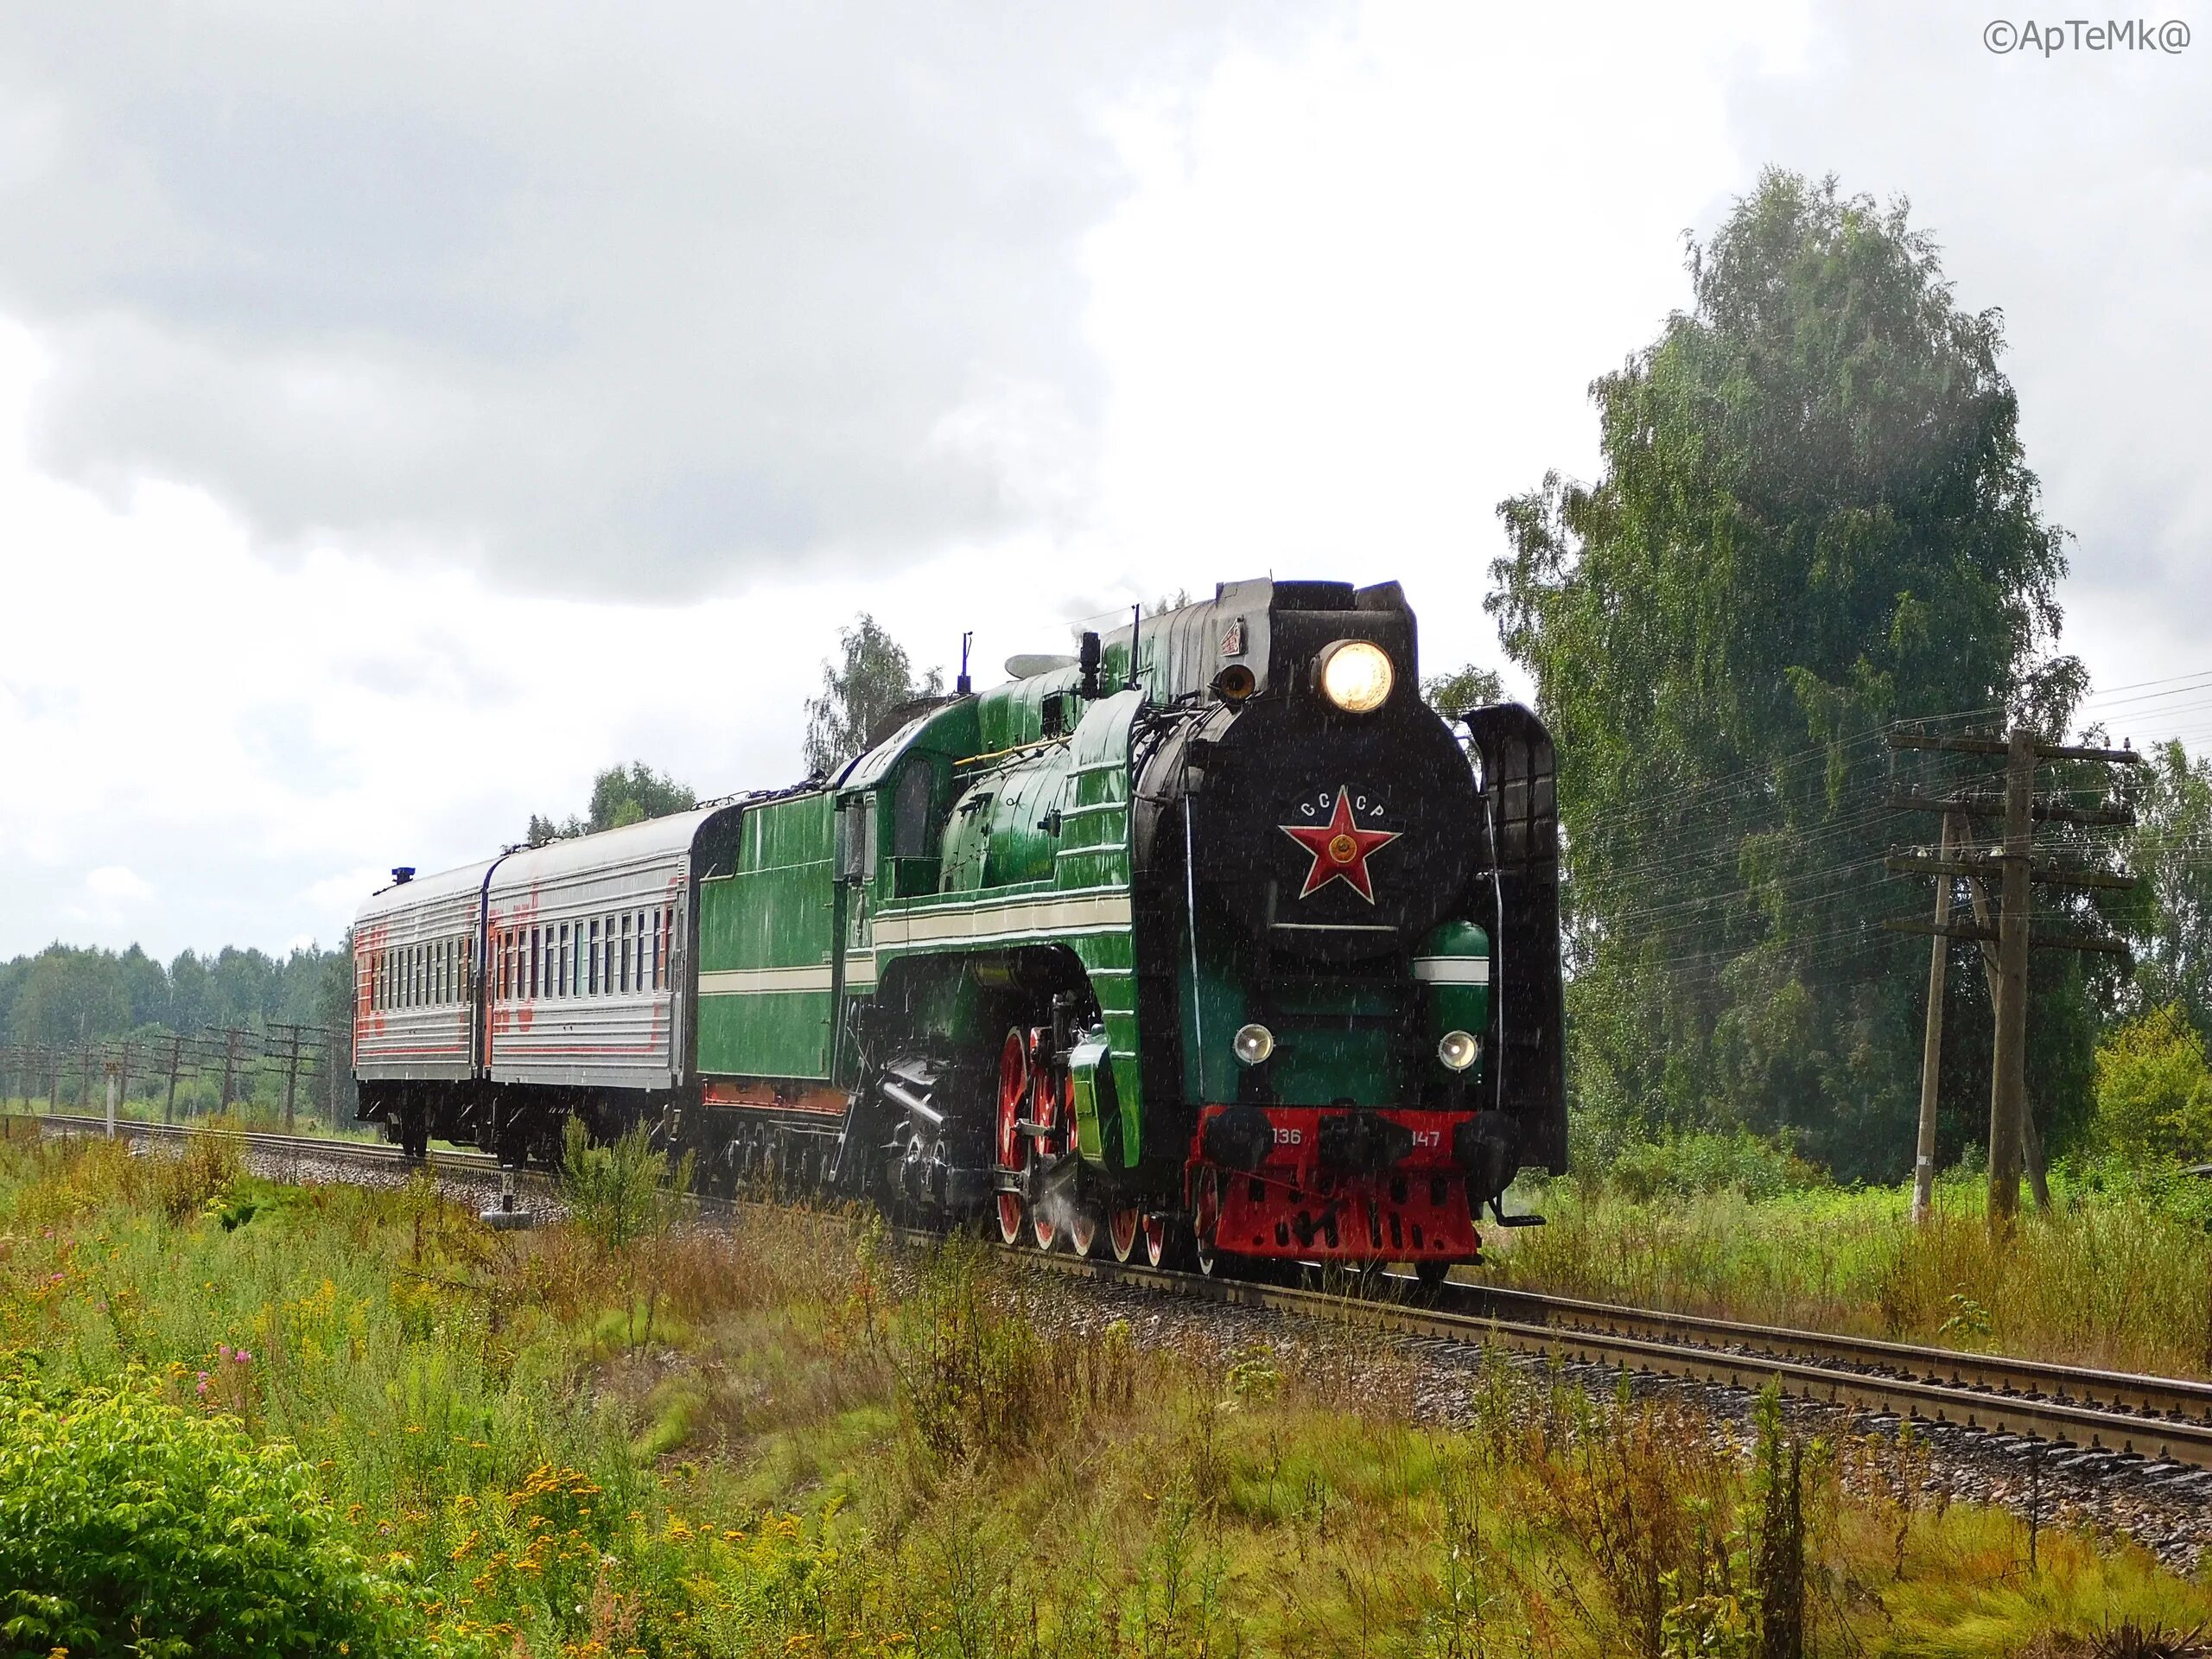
(1339, 849)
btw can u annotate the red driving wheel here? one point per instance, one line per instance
(1013, 1094)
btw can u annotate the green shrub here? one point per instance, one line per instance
(622, 1194)
(1684, 1166)
(2154, 1090)
(128, 1526)
(973, 1376)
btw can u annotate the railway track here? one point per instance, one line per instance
(2078, 1410)
(292, 1145)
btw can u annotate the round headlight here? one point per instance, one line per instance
(1253, 1043)
(1458, 1050)
(1356, 675)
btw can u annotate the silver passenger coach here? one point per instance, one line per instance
(555, 965)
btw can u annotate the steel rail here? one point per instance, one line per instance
(2124, 1413)
(2179, 1398)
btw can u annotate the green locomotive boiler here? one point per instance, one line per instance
(1212, 938)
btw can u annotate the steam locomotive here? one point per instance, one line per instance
(1212, 939)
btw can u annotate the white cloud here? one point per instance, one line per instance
(616, 302)
(117, 885)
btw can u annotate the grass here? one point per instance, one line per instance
(794, 1441)
(2119, 1273)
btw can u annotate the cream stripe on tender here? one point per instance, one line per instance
(1453, 971)
(988, 922)
(761, 982)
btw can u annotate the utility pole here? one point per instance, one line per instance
(2031, 1143)
(114, 1080)
(2008, 1085)
(2014, 864)
(299, 1041)
(176, 1060)
(230, 1065)
(1931, 1054)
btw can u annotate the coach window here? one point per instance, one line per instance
(591, 973)
(535, 947)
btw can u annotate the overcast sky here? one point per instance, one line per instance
(403, 416)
